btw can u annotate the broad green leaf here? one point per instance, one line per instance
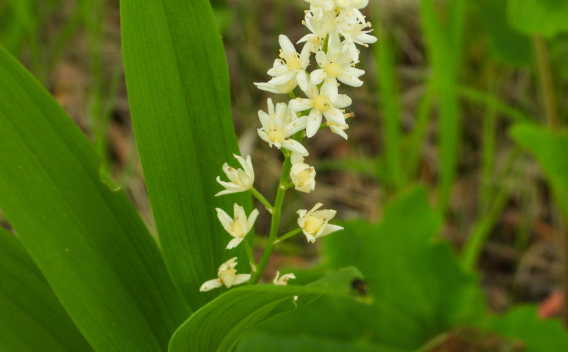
(549, 148)
(88, 241)
(408, 272)
(221, 323)
(544, 17)
(260, 341)
(507, 45)
(419, 290)
(529, 331)
(178, 88)
(32, 318)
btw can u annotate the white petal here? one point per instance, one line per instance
(314, 123)
(283, 79)
(342, 101)
(335, 115)
(296, 158)
(296, 126)
(331, 89)
(294, 146)
(264, 119)
(211, 284)
(321, 59)
(317, 76)
(286, 45)
(300, 104)
(263, 135)
(354, 71)
(350, 80)
(245, 179)
(234, 242)
(302, 80)
(225, 219)
(339, 131)
(252, 218)
(309, 237)
(329, 228)
(316, 207)
(240, 278)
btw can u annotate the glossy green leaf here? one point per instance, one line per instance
(523, 326)
(544, 17)
(507, 45)
(548, 147)
(419, 290)
(87, 240)
(178, 88)
(220, 324)
(32, 318)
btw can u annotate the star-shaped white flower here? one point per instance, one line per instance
(350, 9)
(280, 124)
(354, 34)
(241, 180)
(227, 276)
(291, 66)
(335, 65)
(239, 226)
(320, 104)
(314, 223)
(319, 30)
(319, 8)
(283, 281)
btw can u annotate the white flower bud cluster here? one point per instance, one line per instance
(335, 26)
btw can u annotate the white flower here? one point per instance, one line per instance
(303, 176)
(320, 7)
(335, 65)
(315, 224)
(227, 276)
(293, 66)
(278, 125)
(241, 180)
(283, 281)
(350, 9)
(239, 226)
(354, 34)
(320, 103)
(320, 29)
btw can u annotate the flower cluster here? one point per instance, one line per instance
(336, 28)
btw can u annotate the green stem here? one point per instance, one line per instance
(546, 83)
(288, 185)
(250, 255)
(261, 198)
(275, 223)
(288, 235)
(292, 95)
(474, 245)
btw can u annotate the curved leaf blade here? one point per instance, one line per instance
(220, 324)
(178, 88)
(87, 240)
(32, 318)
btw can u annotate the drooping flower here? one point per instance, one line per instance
(241, 180)
(239, 226)
(335, 65)
(320, 104)
(227, 276)
(303, 176)
(291, 65)
(283, 281)
(280, 124)
(315, 223)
